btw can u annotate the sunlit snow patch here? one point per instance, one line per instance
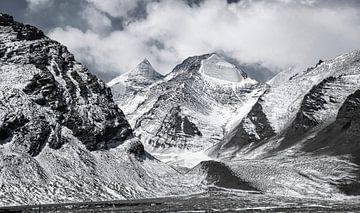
(216, 67)
(184, 158)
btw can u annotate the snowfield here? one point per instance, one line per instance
(203, 133)
(190, 109)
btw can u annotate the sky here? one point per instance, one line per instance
(112, 36)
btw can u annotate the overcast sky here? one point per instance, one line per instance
(113, 36)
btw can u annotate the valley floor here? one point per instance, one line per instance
(215, 200)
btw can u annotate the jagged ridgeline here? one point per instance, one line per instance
(62, 138)
(44, 90)
(290, 114)
(188, 110)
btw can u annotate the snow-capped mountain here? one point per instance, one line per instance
(188, 111)
(128, 87)
(44, 89)
(288, 111)
(257, 71)
(307, 124)
(62, 137)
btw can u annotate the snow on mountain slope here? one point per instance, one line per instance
(293, 91)
(127, 88)
(297, 176)
(306, 100)
(308, 127)
(344, 128)
(324, 165)
(219, 69)
(341, 138)
(43, 86)
(190, 110)
(62, 137)
(143, 75)
(73, 173)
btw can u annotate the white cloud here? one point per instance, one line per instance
(115, 8)
(97, 20)
(119, 51)
(36, 4)
(278, 34)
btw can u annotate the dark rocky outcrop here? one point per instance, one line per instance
(240, 138)
(60, 93)
(136, 148)
(175, 127)
(342, 136)
(305, 120)
(24, 32)
(219, 174)
(177, 111)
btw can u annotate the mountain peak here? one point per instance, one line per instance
(146, 70)
(145, 61)
(5, 18)
(50, 78)
(217, 67)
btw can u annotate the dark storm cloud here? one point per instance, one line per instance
(15, 8)
(58, 13)
(47, 16)
(112, 36)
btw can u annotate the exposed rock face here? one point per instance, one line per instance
(43, 90)
(297, 109)
(308, 125)
(57, 125)
(341, 136)
(175, 127)
(191, 108)
(136, 148)
(243, 135)
(305, 119)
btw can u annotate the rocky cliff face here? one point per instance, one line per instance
(306, 125)
(43, 90)
(192, 107)
(298, 108)
(62, 137)
(341, 136)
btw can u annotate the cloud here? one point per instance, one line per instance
(116, 8)
(96, 20)
(118, 51)
(36, 4)
(277, 33)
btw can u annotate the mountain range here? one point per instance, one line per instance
(187, 111)
(67, 136)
